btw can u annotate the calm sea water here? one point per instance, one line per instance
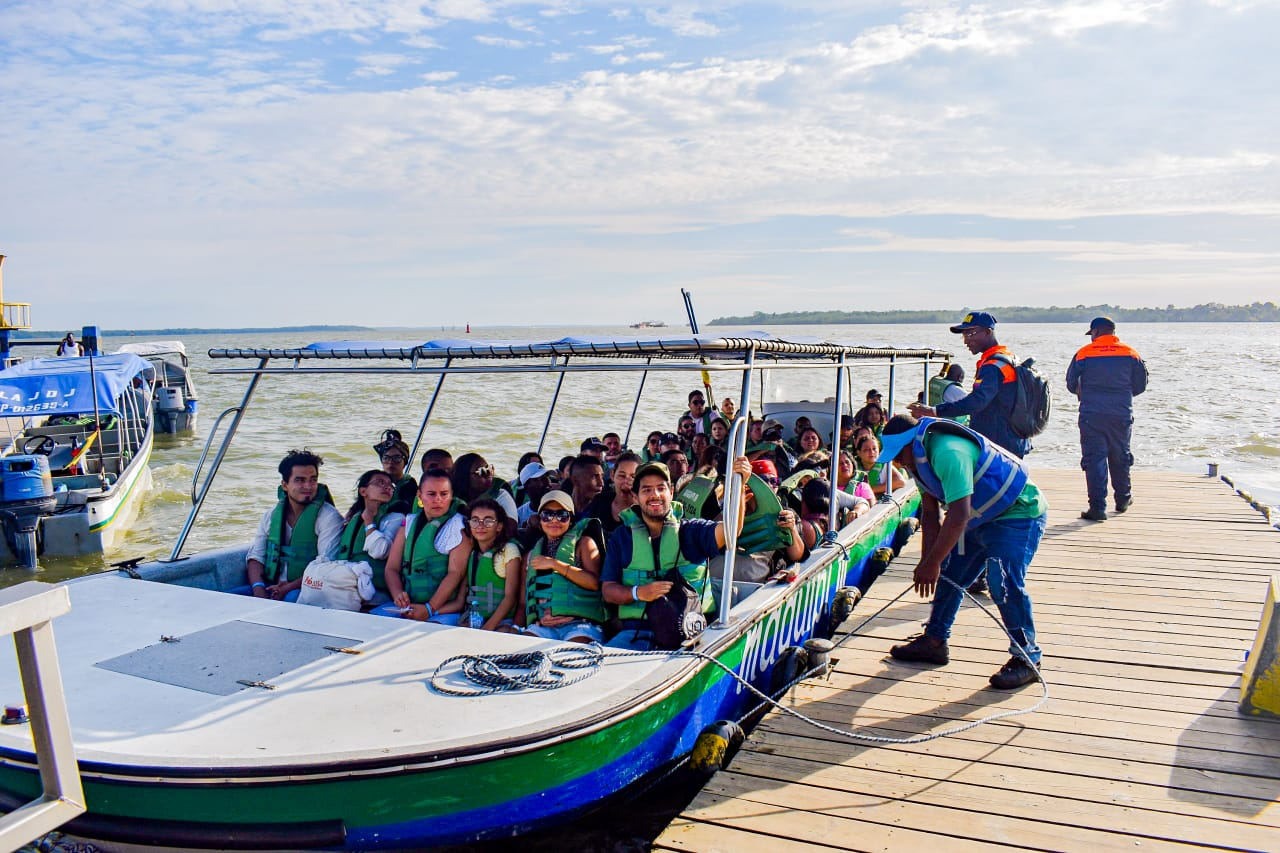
(1211, 398)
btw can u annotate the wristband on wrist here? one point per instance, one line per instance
(258, 584)
(635, 593)
(369, 528)
(430, 610)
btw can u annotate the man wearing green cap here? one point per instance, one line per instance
(993, 522)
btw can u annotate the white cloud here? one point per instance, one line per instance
(498, 41)
(439, 76)
(682, 21)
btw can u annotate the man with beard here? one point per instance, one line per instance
(651, 542)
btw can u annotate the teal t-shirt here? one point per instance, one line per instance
(954, 459)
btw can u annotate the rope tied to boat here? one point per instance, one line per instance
(537, 670)
(540, 673)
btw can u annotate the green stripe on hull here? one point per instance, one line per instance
(406, 795)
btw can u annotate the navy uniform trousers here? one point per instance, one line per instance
(1104, 446)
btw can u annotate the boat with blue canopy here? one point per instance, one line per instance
(244, 722)
(73, 475)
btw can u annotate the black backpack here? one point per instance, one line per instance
(1030, 413)
(676, 617)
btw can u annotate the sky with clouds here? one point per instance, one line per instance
(401, 163)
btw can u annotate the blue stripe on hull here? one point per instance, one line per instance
(723, 700)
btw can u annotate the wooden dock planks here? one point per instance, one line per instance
(1144, 620)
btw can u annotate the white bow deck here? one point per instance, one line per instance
(337, 708)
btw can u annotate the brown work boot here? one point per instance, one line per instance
(922, 649)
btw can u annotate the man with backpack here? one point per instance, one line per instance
(992, 404)
(1106, 375)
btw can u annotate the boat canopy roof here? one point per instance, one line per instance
(155, 349)
(57, 386)
(729, 347)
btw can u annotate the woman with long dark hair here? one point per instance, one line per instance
(371, 526)
(491, 566)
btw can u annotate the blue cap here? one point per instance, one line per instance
(975, 320)
(1101, 323)
(891, 445)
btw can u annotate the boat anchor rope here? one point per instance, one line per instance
(548, 670)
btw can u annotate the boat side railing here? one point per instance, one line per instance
(27, 612)
(732, 501)
(199, 489)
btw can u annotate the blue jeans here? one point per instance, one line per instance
(1003, 549)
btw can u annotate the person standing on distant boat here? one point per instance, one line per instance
(69, 347)
(1106, 375)
(992, 525)
(303, 525)
(995, 389)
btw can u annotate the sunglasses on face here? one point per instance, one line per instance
(553, 515)
(482, 472)
(395, 457)
(486, 523)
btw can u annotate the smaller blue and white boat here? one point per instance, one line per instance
(176, 401)
(72, 476)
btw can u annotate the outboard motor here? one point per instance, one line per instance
(26, 494)
(170, 405)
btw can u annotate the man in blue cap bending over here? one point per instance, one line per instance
(994, 517)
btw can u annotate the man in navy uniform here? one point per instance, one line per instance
(995, 389)
(1106, 375)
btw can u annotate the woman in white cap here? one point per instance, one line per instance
(562, 575)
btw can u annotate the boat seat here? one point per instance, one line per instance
(81, 481)
(741, 591)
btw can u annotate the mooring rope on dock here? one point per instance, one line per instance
(537, 670)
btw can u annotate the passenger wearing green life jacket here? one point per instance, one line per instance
(473, 478)
(562, 576)
(371, 527)
(993, 521)
(424, 585)
(699, 413)
(653, 542)
(947, 387)
(770, 539)
(393, 454)
(303, 525)
(489, 560)
(878, 478)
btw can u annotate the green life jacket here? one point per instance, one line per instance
(423, 568)
(642, 570)
(484, 587)
(304, 545)
(693, 497)
(760, 531)
(938, 386)
(351, 546)
(564, 596)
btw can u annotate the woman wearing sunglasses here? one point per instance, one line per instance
(652, 450)
(473, 478)
(393, 455)
(490, 566)
(562, 578)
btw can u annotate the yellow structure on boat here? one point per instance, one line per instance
(13, 315)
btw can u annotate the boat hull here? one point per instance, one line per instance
(490, 790)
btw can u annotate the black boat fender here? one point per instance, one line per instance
(790, 665)
(842, 606)
(715, 747)
(903, 534)
(877, 563)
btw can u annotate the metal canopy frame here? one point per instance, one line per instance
(745, 354)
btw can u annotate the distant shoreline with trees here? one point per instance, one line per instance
(1213, 312)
